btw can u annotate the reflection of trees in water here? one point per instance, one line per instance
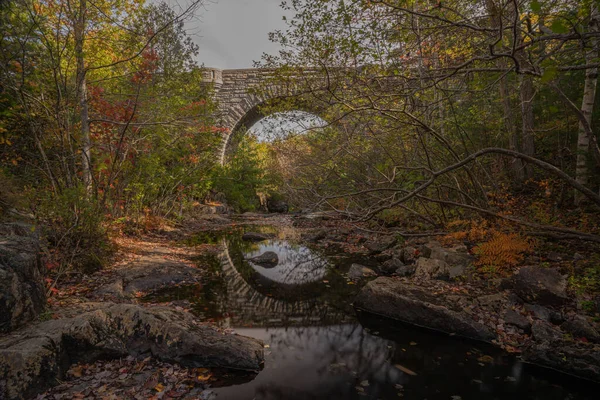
(319, 355)
(317, 362)
(330, 362)
(297, 264)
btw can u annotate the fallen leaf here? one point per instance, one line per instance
(76, 371)
(204, 378)
(405, 370)
(486, 359)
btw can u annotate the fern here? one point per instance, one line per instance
(503, 249)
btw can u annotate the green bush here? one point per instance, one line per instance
(74, 229)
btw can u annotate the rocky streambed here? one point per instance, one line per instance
(333, 313)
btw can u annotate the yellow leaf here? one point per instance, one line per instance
(159, 388)
(204, 378)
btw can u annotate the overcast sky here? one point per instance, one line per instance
(234, 33)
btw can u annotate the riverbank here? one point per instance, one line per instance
(181, 270)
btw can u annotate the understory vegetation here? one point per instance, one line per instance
(471, 120)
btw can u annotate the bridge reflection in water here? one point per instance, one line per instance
(319, 349)
(295, 292)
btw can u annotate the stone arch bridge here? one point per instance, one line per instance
(238, 103)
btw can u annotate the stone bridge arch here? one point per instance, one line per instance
(238, 105)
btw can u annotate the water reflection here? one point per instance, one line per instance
(297, 264)
(319, 349)
(351, 362)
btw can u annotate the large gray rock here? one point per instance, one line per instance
(514, 318)
(457, 257)
(579, 327)
(411, 304)
(357, 272)
(379, 244)
(551, 350)
(31, 361)
(408, 255)
(429, 268)
(539, 285)
(390, 266)
(22, 289)
(406, 270)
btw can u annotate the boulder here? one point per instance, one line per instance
(406, 270)
(538, 311)
(390, 266)
(456, 257)
(268, 259)
(433, 249)
(544, 332)
(380, 244)
(579, 327)
(551, 350)
(545, 286)
(22, 288)
(358, 271)
(384, 256)
(514, 318)
(34, 360)
(277, 206)
(254, 237)
(429, 268)
(408, 255)
(414, 305)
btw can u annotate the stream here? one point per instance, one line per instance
(319, 347)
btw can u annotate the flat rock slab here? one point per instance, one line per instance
(551, 350)
(31, 361)
(149, 273)
(414, 305)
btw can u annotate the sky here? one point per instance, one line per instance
(234, 33)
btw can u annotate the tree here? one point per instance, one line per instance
(393, 65)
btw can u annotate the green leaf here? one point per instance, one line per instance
(558, 26)
(549, 74)
(536, 6)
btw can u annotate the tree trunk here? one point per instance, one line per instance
(528, 139)
(510, 124)
(587, 107)
(516, 165)
(79, 33)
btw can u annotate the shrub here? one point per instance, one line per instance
(74, 230)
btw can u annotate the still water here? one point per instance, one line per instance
(318, 347)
